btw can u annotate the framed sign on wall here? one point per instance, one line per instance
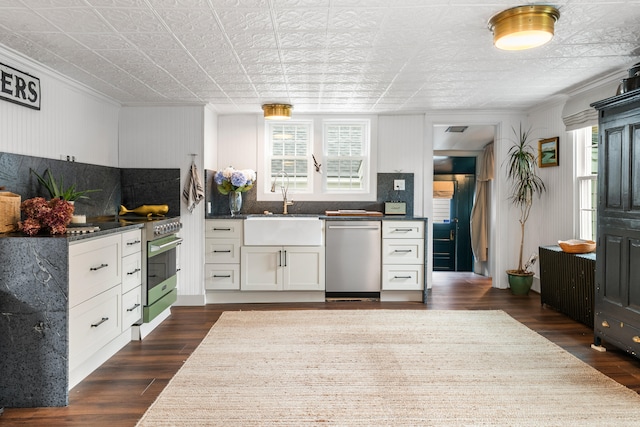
(19, 87)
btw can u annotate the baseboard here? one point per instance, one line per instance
(229, 297)
(191, 300)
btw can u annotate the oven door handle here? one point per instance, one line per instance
(156, 248)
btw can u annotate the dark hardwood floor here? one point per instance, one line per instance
(119, 392)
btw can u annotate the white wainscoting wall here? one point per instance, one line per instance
(165, 137)
(73, 119)
(552, 217)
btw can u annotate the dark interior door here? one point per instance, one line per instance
(452, 237)
(444, 235)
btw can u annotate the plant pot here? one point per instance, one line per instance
(520, 283)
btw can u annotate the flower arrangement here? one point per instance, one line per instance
(55, 215)
(231, 179)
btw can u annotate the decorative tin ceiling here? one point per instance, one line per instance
(366, 56)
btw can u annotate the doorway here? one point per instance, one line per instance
(454, 186)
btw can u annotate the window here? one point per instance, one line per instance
(346, 154)
(325, 159)
(289, 147)
(587, 181)
(441, 211)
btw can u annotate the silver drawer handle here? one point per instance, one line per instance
(403, 250)
(405, 230)
(134, 271)
(135, 242)
(95, 325)
(98, 268)
(402, 277)
(134, 307)
(226, 276)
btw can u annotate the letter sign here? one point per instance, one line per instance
(18, 87)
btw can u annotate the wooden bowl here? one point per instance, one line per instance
(577, 246)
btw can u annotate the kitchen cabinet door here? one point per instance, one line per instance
(303, 269)
(261, 268)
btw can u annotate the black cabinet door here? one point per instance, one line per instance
(617, 293)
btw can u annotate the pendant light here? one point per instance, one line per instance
(277, 111)
(523, 27)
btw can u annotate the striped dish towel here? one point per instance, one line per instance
(193, 192)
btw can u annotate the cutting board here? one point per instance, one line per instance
(353, 212)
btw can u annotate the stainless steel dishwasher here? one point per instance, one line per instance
(353, 257)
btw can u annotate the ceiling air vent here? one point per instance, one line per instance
(456, 129)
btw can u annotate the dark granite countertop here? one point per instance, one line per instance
(106, 228)
(326, 217)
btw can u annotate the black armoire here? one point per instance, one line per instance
(617, 293)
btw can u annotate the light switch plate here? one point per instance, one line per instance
(398, 184)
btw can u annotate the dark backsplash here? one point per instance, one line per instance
(151, 187)
(131, 187)
(386, 193)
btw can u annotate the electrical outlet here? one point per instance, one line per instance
(398, 184)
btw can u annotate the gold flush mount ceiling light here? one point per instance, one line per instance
(523, 27)
(277, 111)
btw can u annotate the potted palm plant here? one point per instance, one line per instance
(525, 184)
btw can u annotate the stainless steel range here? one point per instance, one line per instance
(160, 241)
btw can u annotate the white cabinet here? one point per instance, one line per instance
(105, 281)
(403, 255)
(131, 278)
(223, 238)
(92, 324)
(282, 268)
(94, 266)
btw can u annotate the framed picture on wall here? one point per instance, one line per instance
(548, 154)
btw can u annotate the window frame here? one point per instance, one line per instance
(586, 184)
(318, 194)
(269, 178)
(365, 156)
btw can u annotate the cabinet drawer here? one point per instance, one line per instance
(402, 277)
(131, 242)
(223, 229)
(222, 277)
(94, 267)
(131, 307)
(222, 251)
(617, 332)
(93, 324)
(131, 272)
(403, 229)
(402, 251)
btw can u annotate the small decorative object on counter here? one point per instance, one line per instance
(146, 210)
(9, 211)
(53, 216)
(234, 182)
(577, 246)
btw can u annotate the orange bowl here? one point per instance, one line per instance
(577, 246)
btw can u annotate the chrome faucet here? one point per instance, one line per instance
(284, 187)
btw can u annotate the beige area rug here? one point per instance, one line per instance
(386, 368)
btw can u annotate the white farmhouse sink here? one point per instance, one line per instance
(283, 231)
